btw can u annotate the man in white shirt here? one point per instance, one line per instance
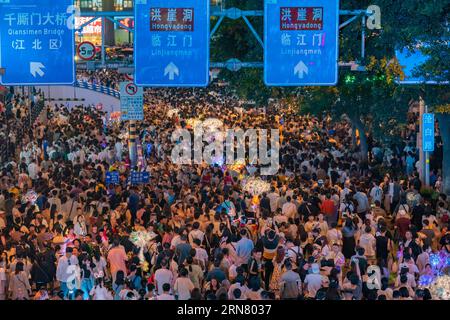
(196, 233)
(68, 273)
(344, 192)
(55, 200)
(244, 248)
(313, 281)
(239, 284)
(163, 276)
(175, 241)
(376, 193)
(33, 170)
(165, 295)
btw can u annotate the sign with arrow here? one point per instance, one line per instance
(301, 69)
(301, 42)
(36, 68)
(172, 43)
(171, 70)
(37, 45)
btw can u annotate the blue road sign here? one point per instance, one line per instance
(131, 101)
(112, 177)
(171, 43)
(37, 44)
(139, 177)
(410, 60)
(428, 132)
(301, 42)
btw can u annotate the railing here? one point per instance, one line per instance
(98, 88)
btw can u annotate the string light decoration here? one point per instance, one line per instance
(439, 282)
(435, 260)
(255, 186)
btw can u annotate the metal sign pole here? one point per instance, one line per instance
(420, 141)
(103, 41)
(427, 161)
(132, 143)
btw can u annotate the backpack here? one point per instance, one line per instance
(347, 209)
(231, 209)
(298, 256)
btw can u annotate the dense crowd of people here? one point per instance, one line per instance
(335, 224)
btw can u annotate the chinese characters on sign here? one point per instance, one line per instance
(139, 177)
(112, 178)
(131, 101)
(301, 42)
(303, 18)
(93, 28)
(36, 44)
(428, 132)
(172, 19)
(172, 43)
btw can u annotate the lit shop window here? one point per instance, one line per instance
(121, 5)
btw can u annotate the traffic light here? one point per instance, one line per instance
(350, 79)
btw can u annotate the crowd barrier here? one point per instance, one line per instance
(98, 88)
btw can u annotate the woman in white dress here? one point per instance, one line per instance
(99, 291)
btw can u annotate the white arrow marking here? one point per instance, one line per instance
(300, 69)
(36, 67)
(171, 70)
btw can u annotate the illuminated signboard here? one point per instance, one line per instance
(94, 28)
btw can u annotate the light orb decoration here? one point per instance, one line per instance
(172, 112)
(125, 135)
(193, 122)
(31, 196)
(141, 239)
(237, 166)
(217, 161)
(212, 124)
(256, 186)
(412, 199)
(440, 288)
